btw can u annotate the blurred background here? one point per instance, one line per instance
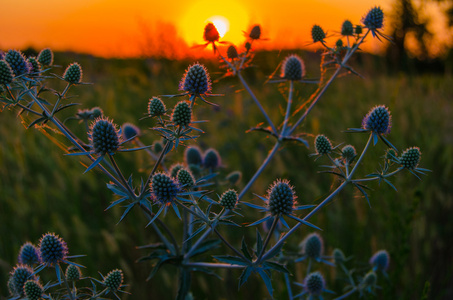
(42, 190)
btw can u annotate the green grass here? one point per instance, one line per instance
(42, 190)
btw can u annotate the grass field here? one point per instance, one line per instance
(42, 190)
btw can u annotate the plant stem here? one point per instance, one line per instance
(229, 245)
(213, 265)
(161, 157)
(71, 296)
(268, 237)
(288, 108)
(361, 157)
(132, 195)
(346, 294)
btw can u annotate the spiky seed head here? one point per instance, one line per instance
(196, 80)
(347, 29)
(232, 52)
(281, 197)
(97, 112)
(338, 256)
(104, 136)
(35, 66)
(156, 107)
(369, 280)
(248, 46)
(374, 19)
(2, 55)
(234, 177)
(211, 159)
(6, 73)
(157, 147)
(29, 254)
(164, 188)
(19, 275)
(185, 178)
(195, 170)
(317, 34)
(174, 169)
(339, 44)
(182, 114)
(255, 33)
(293, 68)
(410, 158)
(114, 280)
(358, 29)
(73, 73)
(390, 154)
(193, 156)
(378, 120)
(210, 33)
(17, 62)
(33, 290)
(314, 283)
(380, 260)
(313, 246)
(53, 249)
(11, 287)
(45, 57)
(229, 199)
(322, 144)
(73, 273)
(348, 153)
(129, 130)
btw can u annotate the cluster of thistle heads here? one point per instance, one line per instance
(314, 284)
(51, 252)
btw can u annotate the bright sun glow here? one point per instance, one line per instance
(230, 20)
(221, 23)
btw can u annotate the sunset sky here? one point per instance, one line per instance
(136, 27)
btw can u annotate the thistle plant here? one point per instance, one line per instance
(190, 186)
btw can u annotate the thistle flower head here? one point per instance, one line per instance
(322, 144)
(347, 29)
(33, 290)
(313, 246)
(10, 283)
(380, 260)
(114, 280)
(358, 29)
(248, 46)
(193, 156)
(6, 73)
(185, 178)
(19, 275)
(129, 130)
(374, 18)
(293, 68)
(35, 66)
(339, 44)
(281, 197)
(369, 280)
(45, 57)
(53, 249)
(157, 147)
(210, 33)
(229, 199)
(232, 52)
(378, 120)
(338, 256)
(156, 107)
(104, 136)
(410, 158)
(255, 33)
(348, 153)
(196, 80)
(314, 283)
(182, 114)
(211, 159)
(73, 273)
(73, 73)
(317, 34)
(234, 177)
(174, 169)
(96, 112)
(29, 254)
(17, 62)
(390, 154)
(164, 188)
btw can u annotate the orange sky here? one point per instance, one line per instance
(136, 27)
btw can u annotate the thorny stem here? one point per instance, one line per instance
(60, 97)
(268, 238)
(121, 176)
(361, 157)
(345, 59)
(346, 294)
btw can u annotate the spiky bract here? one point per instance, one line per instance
(156, 107)
(104, 136)
(29, 254)
(53, 249)
(410, 158)
(293, 68)
(17, 62)
(281, 197)
(164, 188)
(378, 120)
(322, 145)
(229, 199)
(196, 80)
(73, 73)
